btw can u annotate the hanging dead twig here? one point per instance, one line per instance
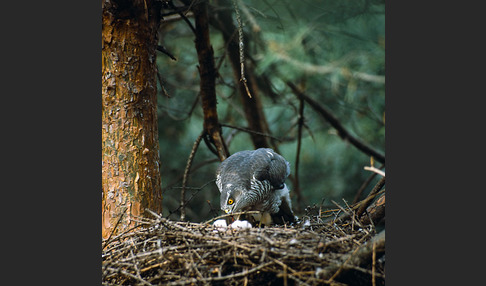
(241, 45)
(223, 20)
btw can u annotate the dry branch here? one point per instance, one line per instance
(186, 173)
(297, 156)
(332, 119)
(376, 211)
(366, 202)
(208, 74)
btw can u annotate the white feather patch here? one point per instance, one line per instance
(240, 224)
(284, 193)
(220, 223)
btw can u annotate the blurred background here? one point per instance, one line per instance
(333, 51)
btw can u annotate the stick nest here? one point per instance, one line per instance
(324, 249)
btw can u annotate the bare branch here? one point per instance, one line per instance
(297, 156)
(208, 73)
(375, 170)
(251, 131)
(332, 119)
(366, 202)
(163, 50)
(186, 172)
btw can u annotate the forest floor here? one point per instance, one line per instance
(331, 247)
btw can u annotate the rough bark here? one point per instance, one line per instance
(130, 148)
(376, 212)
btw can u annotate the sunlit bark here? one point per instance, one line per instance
(130, 148)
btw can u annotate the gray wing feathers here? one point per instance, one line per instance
(271, 166)
(263, 164)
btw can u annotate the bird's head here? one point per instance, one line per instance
(233, 199)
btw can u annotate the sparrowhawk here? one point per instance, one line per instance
(255, 180)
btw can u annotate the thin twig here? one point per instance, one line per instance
(363, 186)
(179, 178)
(183, 15)
(163, 50)
(135, 277)
(241, 46)
(373, 265)
(366, 202)
(251, 131)
(165, 252)
(161, 81)
(186, 172)
(107, 241)
(375, 170)
(332, 119)
(230, 215)
(297, 156)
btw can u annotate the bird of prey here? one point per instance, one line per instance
(254, 180)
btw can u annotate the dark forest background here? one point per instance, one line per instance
(333, 52)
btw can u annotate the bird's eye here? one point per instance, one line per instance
(230, 201)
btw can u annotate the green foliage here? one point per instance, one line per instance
(333, 50)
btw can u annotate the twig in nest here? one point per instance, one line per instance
(363, 186)
(373, 265)
(360, 255)
(366, 202)
(231, 214)
(166, 252)
(375, 170)
(349, 213)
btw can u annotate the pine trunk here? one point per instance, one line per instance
(130, 148)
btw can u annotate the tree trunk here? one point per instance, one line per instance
(130, 147)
